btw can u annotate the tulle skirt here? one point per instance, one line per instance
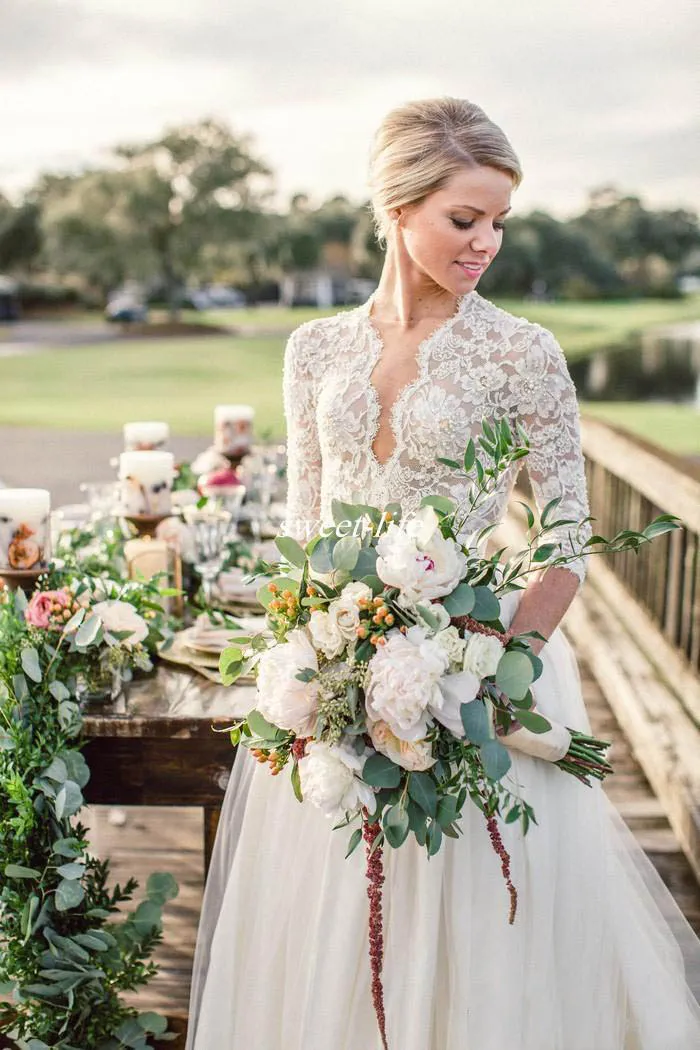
(592, 962)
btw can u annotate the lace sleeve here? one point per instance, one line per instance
(549, 413)
(299, 389)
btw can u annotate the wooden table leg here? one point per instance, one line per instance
(211, 823)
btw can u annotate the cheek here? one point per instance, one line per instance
(432, 243)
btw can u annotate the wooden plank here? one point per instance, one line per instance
(659, 481)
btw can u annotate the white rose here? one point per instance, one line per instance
(482, 654)
(326, 634)
(415, 557)
(121, 616)
(403, 677)
(330, 779)
(346, 610)
(450, 641)
(415, 756)
(282, 698)
(456, 689)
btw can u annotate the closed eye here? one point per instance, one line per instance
(465, 225)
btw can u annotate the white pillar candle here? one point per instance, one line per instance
(233, 427)
(146, 436)
(24, 528)
(146, 483)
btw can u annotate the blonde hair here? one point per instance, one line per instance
(422, 144)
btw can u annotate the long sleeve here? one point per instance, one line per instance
(299, 387)
(549, 413)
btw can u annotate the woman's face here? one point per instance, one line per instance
(454, 234)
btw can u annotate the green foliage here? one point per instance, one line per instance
(66, 952)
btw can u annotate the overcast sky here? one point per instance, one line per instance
(592, 92)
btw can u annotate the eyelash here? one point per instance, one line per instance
(466, 225)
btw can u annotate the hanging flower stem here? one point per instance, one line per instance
(375, 879)
(497, 843)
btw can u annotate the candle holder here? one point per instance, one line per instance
(145, 524)
(21, 579)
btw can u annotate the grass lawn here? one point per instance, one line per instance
(674, 427)
(180, 380)
(580, 327)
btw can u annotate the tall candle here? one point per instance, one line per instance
(146, 436)
(146, 482)
(233, 426)
(24, 528)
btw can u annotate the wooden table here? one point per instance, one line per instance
(157, 745)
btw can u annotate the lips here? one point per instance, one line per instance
(472, 269)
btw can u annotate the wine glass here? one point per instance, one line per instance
(210, 529)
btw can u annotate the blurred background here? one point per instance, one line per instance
(182, 183)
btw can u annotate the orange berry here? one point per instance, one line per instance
(377, 602)
(402, 628)
(272, 588)
(389, 620)
(287, 594)
(381, 641)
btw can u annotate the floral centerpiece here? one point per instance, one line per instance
(393, 687)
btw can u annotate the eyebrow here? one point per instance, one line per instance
(470, 207)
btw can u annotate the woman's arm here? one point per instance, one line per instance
(299, 387)
(555, 465)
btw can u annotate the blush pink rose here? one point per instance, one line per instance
(40, 609)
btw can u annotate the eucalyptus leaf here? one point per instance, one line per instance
(380, 771)
(355, 840)
(72, 870)
(30, 664)
(461, 601)
(68, 800)
(161, 887)
(19, 871)
(290, 549)
(346, 553)
(476, 721)
(58, 690)
(69, 894)
(514, 674)
(534, 722)
(421, 788)
(395, 823)
(88, 631)
(56, 771)
(486, 605)
(153, 1023)
(495, 759)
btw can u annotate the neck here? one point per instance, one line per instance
(406, 297)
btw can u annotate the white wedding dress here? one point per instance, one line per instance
(592, 961)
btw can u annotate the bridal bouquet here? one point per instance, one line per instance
(393, 688)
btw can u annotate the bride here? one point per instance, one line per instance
(372, 397)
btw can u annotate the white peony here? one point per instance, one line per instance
(450, 641)
(345, 609)
(178, 535)
(330, 778)
(326, 634)
(415, 557)
(456, 689)
(482, 654)
(415, 756)
(402, 682)
(120, 616)
(282, 698)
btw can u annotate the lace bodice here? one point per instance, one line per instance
(481, 363)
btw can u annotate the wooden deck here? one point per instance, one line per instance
(151, 839)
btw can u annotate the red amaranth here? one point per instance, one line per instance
(299, 747)
(375, 878)
(497, 843)
(467, 623)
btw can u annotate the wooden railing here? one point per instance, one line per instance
(628, 486)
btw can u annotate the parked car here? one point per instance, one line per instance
(215, 297)
(125, 309)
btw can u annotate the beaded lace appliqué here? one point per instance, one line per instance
(481, 363)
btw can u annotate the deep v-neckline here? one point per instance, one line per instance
(421, 358)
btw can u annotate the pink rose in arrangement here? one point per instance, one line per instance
(49, 609)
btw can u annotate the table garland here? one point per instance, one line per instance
(67, 953)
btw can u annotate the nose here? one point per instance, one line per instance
(485, 239)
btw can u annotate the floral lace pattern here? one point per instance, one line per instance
(482, 363)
